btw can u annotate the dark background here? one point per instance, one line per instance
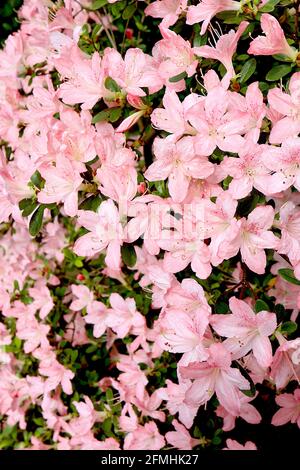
(8, 18)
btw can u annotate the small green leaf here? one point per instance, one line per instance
(109, 114)
(277, 72)
(248, 69)
(288, 275)
(178, 77)
(221, 308)
(27, 206)
(111, 85)
(288, 327)
(91, 203)
(269, 6)
(78, 263)
(128, 255)
(36, 221)
(260, 305)
(129, 11)
(98, 4)
(37, 179)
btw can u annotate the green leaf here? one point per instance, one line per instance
(37, 179)
(129, 11)
(288, 327)
(36, 221)
(98, 4)
(221, 308)
(111, 85)
(91, 203)
(178, 77)
(277, 72)
(288, 275)
(248, 69)
(128, 255)
(109, 114)
(260, 305)
(269, 6)
(27, 206)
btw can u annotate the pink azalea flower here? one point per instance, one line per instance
(169, 10)
(84, 76)
(248, 171)
(172, 118)
(57, 375)
(251, 109)
(290, 409)
(286, 362)
(248, 412)
(97, 316)
(207, 9)
(181, 253)
(284, 162)
(215, 124)
(180, 333)
(246, 331)
(123, 316)
(83, 297)
(288, 106)
(178, 162)
(173, 55)
(224, 50)
(215, 376)
(235, 445)
(174, 395)
(273, 42)
(289, 223)
(222, 227)
(34, 334)
(133, 72)
(42, 299)
(256, 236)
(62, 184)
(105, 231)
(181, 438)
(145, 437)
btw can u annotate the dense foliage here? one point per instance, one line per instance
(150, 224)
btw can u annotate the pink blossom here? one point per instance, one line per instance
(288, 106)
(235, 445)
(273, 42)
(290, 409)
(62, 184)
(207, 9)
(84, 76)
(215, 376)
(284, 163)
(256, 236)
(169, 10)
(248, 412)
(97, 316)
(246, 331)
(179, 162)
(215, 124)
(105, 231)
(83, 297)
(145, 437)
(123, 316)
(224, 50)
(180, 438)
(248, 171)
(174, 395)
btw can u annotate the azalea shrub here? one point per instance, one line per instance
(150, 225)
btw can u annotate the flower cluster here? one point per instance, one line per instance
(150, 224)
